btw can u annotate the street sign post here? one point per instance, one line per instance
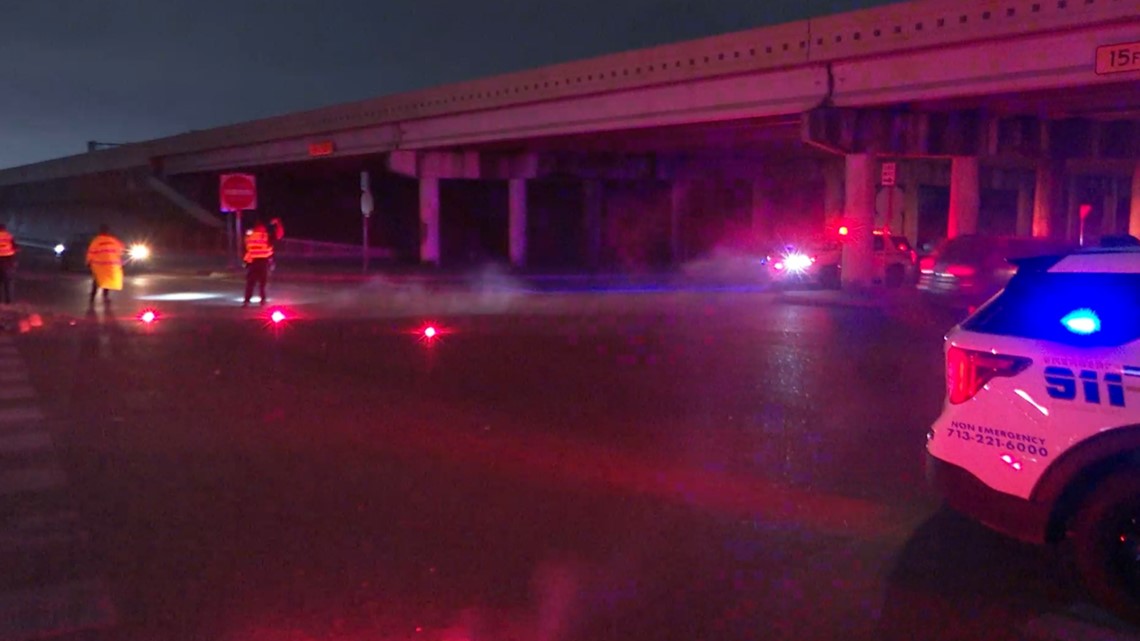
(888, 176)
(367, 205)
(237, 192)
(888, 180)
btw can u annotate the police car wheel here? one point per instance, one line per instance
(1106, 540)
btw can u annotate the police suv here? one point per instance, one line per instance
(1039, 436)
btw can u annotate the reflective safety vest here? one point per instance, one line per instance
(105, 250)
(257, 245)
(7, 245)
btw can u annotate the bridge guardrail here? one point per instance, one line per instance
(318, 249)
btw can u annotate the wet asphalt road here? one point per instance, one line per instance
(575, 466)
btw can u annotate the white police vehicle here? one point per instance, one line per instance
(1039, 436)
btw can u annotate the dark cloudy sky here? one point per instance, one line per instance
(126, 70)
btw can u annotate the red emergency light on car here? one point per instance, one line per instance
(961, 271)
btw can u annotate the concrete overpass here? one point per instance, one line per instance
(970, 98)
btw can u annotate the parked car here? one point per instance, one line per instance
(895, 262)
(1038, 435)
(968, 270)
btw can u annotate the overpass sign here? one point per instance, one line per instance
(887, 178)
(1118, 58)
(237, 192)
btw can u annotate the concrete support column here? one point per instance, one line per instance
(832, 189)
(429, 220)
(1024, 205)
(761, 209)
(516, 225)
(678, 204)
(859, 217)
(965, 197)
(1134, 212)
(1072, 208)
(593, 201)
(1048, 200)
(908, 174)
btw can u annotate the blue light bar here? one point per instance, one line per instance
(1082, 321)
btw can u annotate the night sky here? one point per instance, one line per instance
(128, 70)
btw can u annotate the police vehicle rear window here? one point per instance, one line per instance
(1081, 309)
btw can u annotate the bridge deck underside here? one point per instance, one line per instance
(774, 136)
(1112, 101)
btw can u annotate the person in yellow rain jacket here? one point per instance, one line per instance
(105, 258)
(258, 253)
(7, 264)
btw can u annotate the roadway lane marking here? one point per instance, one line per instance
(24, 442)
(55, 534)
(34, 479)
(55, 610)
(20, 414)
(17, 393)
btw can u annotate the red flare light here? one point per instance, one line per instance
(148, 316)
(277, 316)
(430, 333)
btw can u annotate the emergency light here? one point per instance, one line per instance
(1082, 321)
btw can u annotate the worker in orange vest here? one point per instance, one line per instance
(258, 254)
(8, 250)
(105, 258)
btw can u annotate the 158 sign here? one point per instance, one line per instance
(1118, 58)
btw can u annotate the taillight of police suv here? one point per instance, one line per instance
(968, 371)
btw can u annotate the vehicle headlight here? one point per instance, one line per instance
(138, 251)
(797, 262)
(59, 249)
